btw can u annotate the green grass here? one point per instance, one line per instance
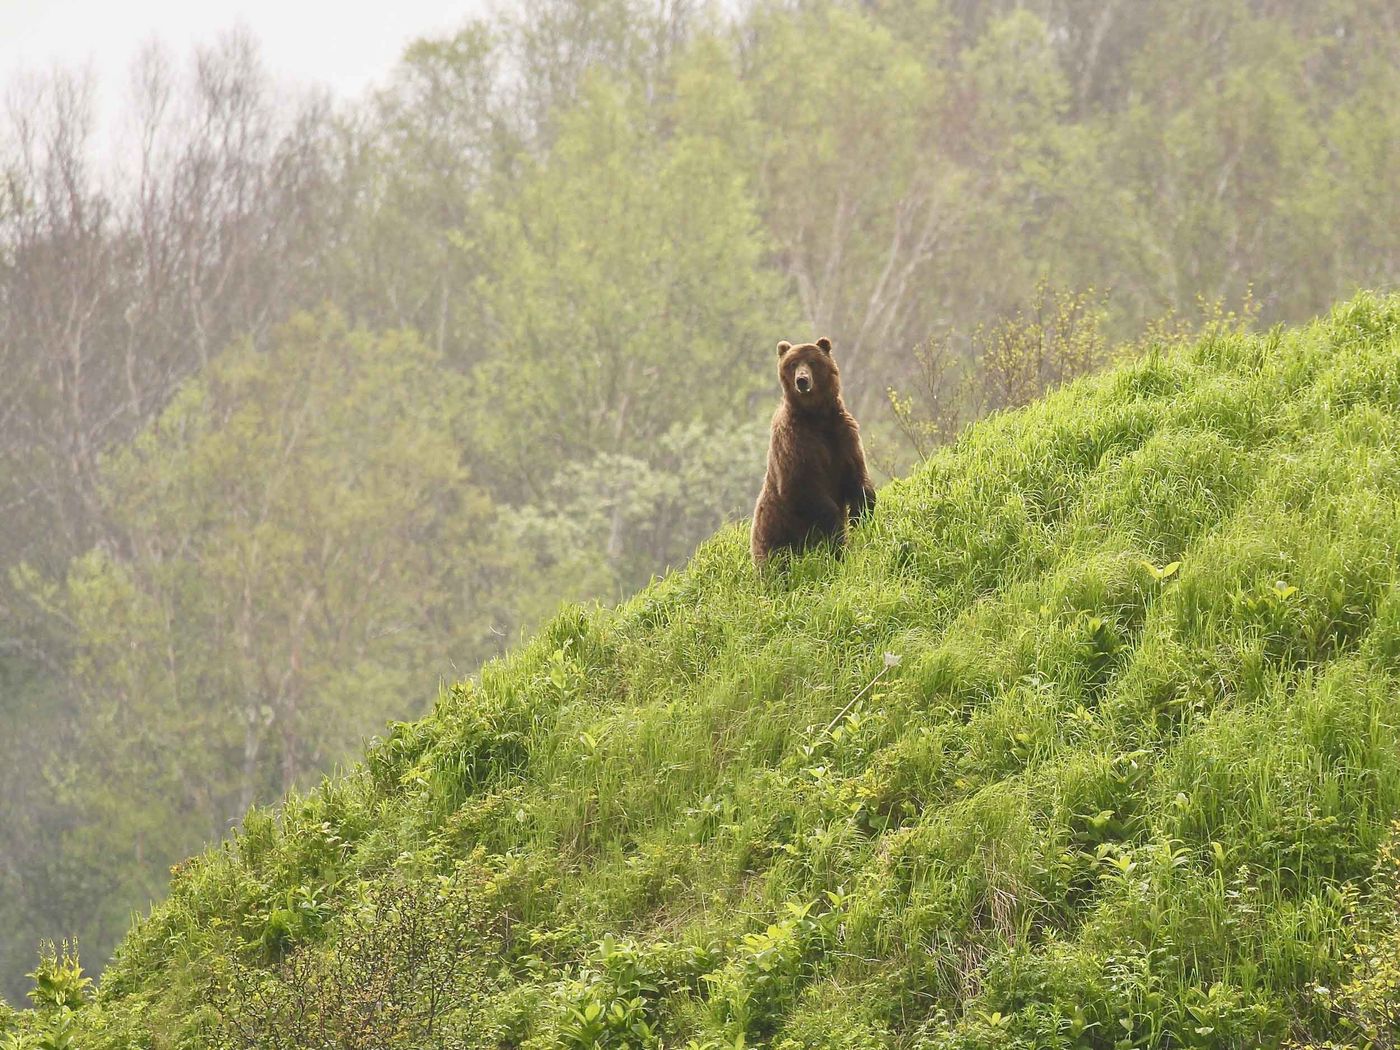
(1093, 804)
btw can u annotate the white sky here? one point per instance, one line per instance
(345, 45)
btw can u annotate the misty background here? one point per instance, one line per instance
(312, 399)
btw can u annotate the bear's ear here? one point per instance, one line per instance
(784, 347)
(825, 344)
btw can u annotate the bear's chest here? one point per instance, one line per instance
(811, 453)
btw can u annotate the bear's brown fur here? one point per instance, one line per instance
(816, 479)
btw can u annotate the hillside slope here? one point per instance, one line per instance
(1089, 740)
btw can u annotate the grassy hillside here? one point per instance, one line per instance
(1088, 741)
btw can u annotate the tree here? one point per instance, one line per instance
(557, 45)
(857, 192)
(629, 292)
(1215, 153)
(605, 525)
(112, 294)
(420, 164)
(300, 550)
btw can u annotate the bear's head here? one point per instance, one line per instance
(811, 381)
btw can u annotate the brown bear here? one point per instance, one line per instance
(816, 479)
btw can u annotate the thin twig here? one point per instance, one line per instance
(891, 660)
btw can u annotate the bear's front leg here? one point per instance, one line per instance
(858, 494)
(862, 501)
(856, 491)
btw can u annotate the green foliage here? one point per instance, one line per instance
(60, 991)
(645, 507)
(1059, 338)
(757, 984)
(1084, 743)
(614, 1000)
(300, 539)
(628, 290)
(59, 983)
(1366, 1002)
(402, 965)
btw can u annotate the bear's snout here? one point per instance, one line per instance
(803, 380)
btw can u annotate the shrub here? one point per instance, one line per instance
(402, 968)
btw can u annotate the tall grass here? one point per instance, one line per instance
(1119, 784)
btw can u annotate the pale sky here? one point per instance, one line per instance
(344, 45)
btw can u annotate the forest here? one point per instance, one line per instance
(308, 408)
